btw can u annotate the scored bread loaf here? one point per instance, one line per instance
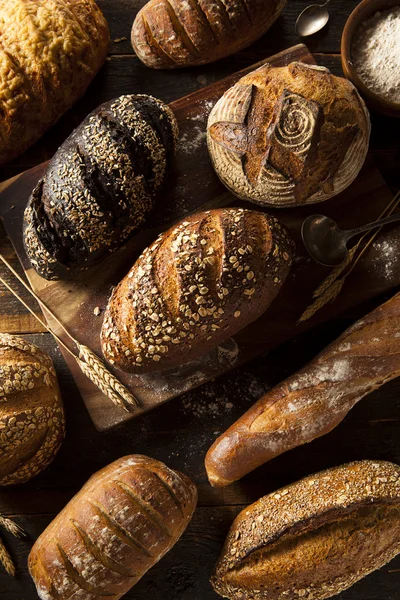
(122, 522)
(290, 135)
(314, 400)
(32, 423)
(50, 50)
(314, 538)
(167, 34)
(198, 284)
(100, 185)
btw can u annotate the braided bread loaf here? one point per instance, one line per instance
(50, 50)
(32, 425)
(122, 522)
(313, 401)
(168, 34)
(198, 284)
(100, 185)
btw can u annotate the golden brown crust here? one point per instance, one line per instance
(123, 521)
(168, 34)
(314, 400)
(198, 284)
(288, 135)
(32, 424)
(50, 50)
(314, 538)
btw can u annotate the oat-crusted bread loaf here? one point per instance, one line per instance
(285, 136)
(32, 425)
(168, 34)
(198, 284)
(314, 538)
(311, 402)
(50, 50)
(121, 523)
(100, 185)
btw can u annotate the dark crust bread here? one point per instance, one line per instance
(198, 284)
(168, 34)
(100, 185)
(50, 51)
(264, 531)
(123, 521)
(32, 423)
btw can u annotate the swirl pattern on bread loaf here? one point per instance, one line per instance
(290, 135)
(100, 185)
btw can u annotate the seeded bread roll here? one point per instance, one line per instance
(284, 136)
(120, 524)
(314, 538)
(168, 34)
(32, 425)
(311, 402)
(198, 284)
(100, 185)
(50, 50)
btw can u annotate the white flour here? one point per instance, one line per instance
(375, 53)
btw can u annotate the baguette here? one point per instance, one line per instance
(314, 538)
(314, 400)
(198, 284)
(167, 34)
(123, 521)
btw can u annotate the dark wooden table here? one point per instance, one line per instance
(181, 431)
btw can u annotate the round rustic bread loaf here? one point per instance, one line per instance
(50, 50)
(32, 425)
(168, 34)
(100, 185)
(197, 285)
(288, 135)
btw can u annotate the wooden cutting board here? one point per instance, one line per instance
(193, 186)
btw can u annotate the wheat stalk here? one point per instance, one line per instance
(12, 527)
(329, 296)
(6, 560)
(89, 363)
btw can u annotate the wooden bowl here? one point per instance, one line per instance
(363, 11)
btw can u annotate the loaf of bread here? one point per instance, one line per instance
(314, 538)
(314, 400)
(50, 50)
(198, 284)
(100, 185)
(168, 34)
(32, 425)
(122, 522)
(285, 136)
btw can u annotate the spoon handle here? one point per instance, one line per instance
(391, 219)
(325, 3)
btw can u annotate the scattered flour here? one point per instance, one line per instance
(191, 141)
(388, 253)
(375, 52)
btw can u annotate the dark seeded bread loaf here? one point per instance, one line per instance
(168, 34)
(314, 538)
(50, 50)
(100, 185)
(122, 522)
(198, 284)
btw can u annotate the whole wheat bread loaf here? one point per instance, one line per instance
(198, 284)
(123, 521)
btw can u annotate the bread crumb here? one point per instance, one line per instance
(120, 39)
(97, 311)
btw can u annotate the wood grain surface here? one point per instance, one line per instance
(180, 431)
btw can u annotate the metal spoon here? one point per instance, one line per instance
(312, 19)
(327, 244)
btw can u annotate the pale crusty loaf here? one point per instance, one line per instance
(100, 185)
(168, 34)
(290, 135)
(32, 424)
(50, 50)
(314, 400)
(123, 521)
(314, 538)
(198, 284)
